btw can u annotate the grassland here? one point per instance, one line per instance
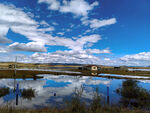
(126, 72)
(35, 74)
(67, 110)
(19, 74)
(119, 72)
(30, 73)
(6, 72)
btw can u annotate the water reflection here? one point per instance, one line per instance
(55, 90)
(133, 95)
(28, 94)
(94, 73)
(4, 91)
(96, 100)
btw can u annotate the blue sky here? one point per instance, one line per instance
(105, 32)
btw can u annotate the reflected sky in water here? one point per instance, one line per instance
(63, 86)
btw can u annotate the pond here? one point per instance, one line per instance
(54, 90)
(139, 69)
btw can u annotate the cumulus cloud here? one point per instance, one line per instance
(77, 44)
(20, 22)
(77, 7)
(46, 29)
(54, 23)
(140, 56)
(87, 31)
(65, 57)
(96, 23)
(82, 57)
(60, 33)
(33, 47)
(4, 40)
(44, 23)
(3, 49)
(140, 59)
(97, 51)
(16, 20)
(52, 4)
(71, 56)
(91, 38)
(10, 13)
(3, 31)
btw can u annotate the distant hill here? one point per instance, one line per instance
(61, 64)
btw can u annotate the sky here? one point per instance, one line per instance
(106, 32)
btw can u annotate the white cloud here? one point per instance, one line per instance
(60, 33)
(107, 59)
(97, 51)
(68, 30)
(4, 40)
(3, 49)
(3, 31)
(54, 23)
(33, 47)
(53, 4)
(10, 13)
(37, 35)
(95, 23)
(44, 23)
(140, 59)
(71, 56)
(72, 25)
(77, 44)
(87, 31)
(143, 56)
(84, 40)
(20, 22)
(77, 7)
(65, 57)
(46, 29)
(85, 21)
(96, 3)
(81, 57)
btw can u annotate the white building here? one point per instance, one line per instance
(90, 67)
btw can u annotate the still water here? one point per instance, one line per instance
(54, 90)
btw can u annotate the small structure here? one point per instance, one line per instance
(11, 66)
(94, 74)
(121, 68)
(90, 67)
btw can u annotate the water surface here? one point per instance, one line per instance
(55, 90)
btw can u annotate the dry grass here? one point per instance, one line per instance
(68, 110)
(33, 73)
